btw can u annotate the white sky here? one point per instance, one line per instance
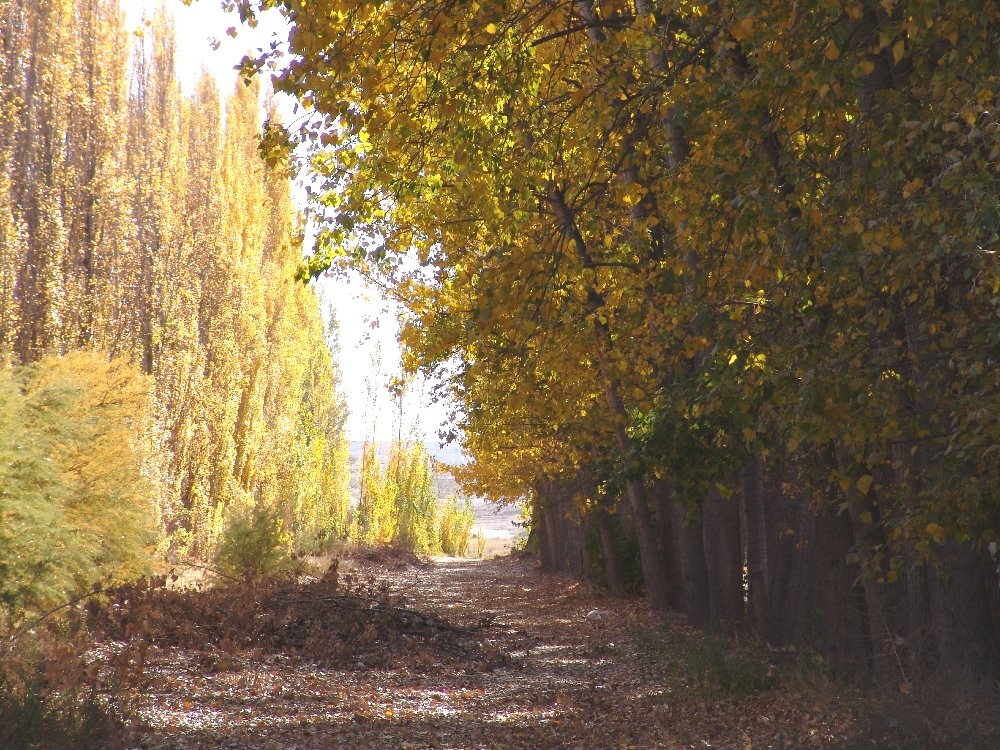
(368, 327)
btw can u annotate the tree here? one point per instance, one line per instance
(141, 223)
(78, 505)
(767, 230)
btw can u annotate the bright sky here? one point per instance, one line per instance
(368, 328)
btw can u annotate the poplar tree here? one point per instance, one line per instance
(142, 223)
(767, 231)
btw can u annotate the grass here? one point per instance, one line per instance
(710, 666)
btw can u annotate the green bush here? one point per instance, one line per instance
(75, 507)
(709, 666)
(719, 668)
(254, 544)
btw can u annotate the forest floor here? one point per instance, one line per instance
(496, 654)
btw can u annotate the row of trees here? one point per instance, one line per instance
(721, 276)
(398, 503)
(141, 223)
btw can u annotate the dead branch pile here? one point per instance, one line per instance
(331, 621)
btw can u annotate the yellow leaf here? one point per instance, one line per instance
(912, 186)
(864, 484)
(832, 51)
(936, 532)
(897, 51)
(867, 67)
(491, 28)
(743, 29)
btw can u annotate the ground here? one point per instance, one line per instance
(523, 667)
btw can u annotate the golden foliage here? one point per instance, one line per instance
(79, 498)
(156, 234)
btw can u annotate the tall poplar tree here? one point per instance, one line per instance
(141, 222)
(768, 232)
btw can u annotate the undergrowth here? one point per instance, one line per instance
(928, 714)
(51, 698)
(710, 666)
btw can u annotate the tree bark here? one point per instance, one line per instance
(609, 546)
(690, 545)
(667, 533)
(724, 560)
(755, 522)
(960, 613)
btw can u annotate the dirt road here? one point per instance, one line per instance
(565, 681)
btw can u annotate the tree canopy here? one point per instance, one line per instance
(721, 246)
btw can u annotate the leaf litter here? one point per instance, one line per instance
(454, 654)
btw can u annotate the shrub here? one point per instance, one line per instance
(48, 699)
(75, 506)
(710, 666)
(254, 544)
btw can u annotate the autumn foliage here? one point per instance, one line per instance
(398, 504)
(139, 222)
(76, 505)
(724, 271)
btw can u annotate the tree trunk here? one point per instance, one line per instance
(724, 559)
(667, 533)
(960, 613)
(781, 519)
(609, 547)
(836, 625)
(694, 570)
(562, 531)
(802, 574)
(649, 549)
(755, 521)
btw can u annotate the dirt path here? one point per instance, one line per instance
(570, 682)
